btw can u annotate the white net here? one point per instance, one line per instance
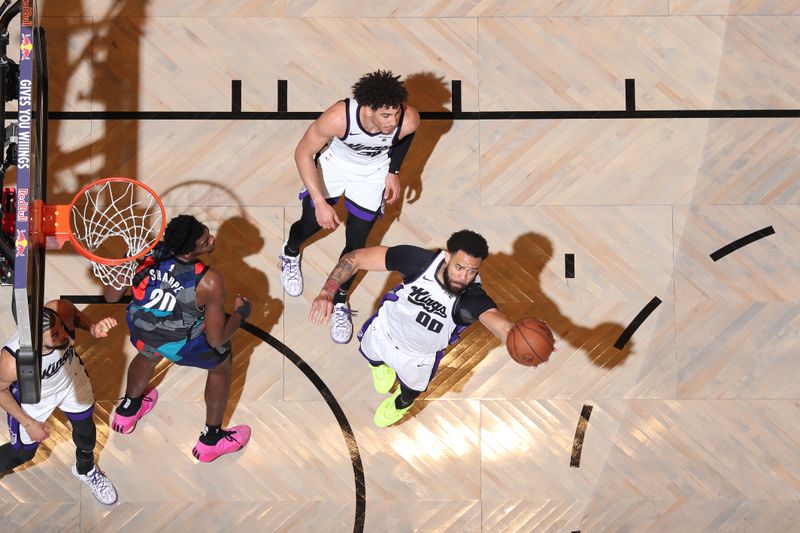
(117, 221)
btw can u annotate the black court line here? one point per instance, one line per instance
(83, 299)
(457, 113)
(427, 115)
(744, 241)
(344, 425)
(630, 95)
(580, 433)
(283, 95)
(236, 96)
(638, 321)
(569, 265)
(327, 395)
(455, 96)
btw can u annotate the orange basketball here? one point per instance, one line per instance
(530, 342)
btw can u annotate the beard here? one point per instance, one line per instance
(449, 287)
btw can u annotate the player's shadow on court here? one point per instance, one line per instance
(514, 282)
(237, 239)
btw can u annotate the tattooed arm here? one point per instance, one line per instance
(373, 258)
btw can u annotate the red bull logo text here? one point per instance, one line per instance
(22, 205)
(26, 47)
(21, 243)
(27, 13)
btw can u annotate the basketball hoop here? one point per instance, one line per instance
(113, 222)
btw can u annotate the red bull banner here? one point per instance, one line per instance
(26, 50)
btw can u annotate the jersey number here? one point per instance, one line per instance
(430, 323)
(163, 301)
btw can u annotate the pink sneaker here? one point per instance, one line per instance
(126, 424)
(235, 438)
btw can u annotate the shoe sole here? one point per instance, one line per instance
(120, 429)
(197, 454)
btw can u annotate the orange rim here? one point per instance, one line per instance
(108, 260)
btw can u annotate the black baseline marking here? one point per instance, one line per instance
(427, 115)
(569, 265)
(457, 113)
(638, 321)
(84, 299)
(283, 95)
(455, 95)
(236, 96)
(630, 95)
(327, 395)
(580, 433)
(744, 241)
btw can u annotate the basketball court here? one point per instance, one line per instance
(633, 166)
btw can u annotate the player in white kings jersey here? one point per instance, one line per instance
(65, 384)
(441, 295)
(359, 144)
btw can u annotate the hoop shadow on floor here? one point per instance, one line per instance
(513, 281)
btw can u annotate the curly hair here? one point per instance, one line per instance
(380, 89)
(182, 233)
(469, 242)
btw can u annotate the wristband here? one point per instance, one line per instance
(243, 311)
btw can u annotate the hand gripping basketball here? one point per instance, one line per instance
(530, 342)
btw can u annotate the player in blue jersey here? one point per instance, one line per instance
(177, 313)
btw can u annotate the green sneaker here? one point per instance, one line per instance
(387, 413)
(383, 378)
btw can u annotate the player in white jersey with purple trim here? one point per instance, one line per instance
(441, 295)
(355, 150)
(65, 385)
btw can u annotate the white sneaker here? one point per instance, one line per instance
(102, 488)
(342, 323)
(291, 277)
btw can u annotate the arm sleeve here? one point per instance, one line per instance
(472, 304)
(410, 261)
(398, 153)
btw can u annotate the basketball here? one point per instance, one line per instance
(530, 342)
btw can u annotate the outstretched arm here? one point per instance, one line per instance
(76, 320)
(373, 258)
(496, 322)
